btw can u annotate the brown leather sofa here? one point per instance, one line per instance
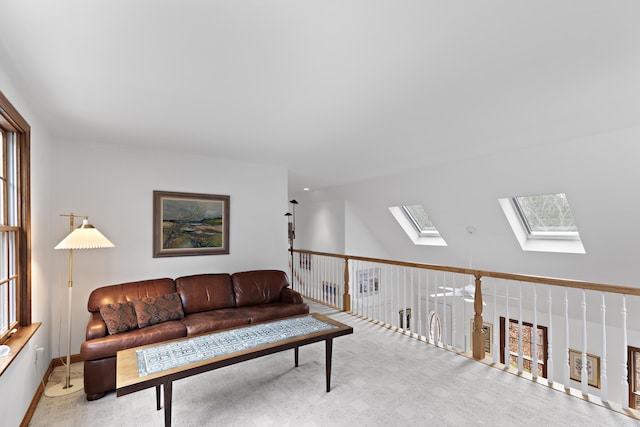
(208, 302)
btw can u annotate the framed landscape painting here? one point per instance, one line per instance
(190, 224)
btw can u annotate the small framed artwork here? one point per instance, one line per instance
(190, 224)
(305, 261)
(368, 280)
(487, 331)
(593, 368)
(329, 290)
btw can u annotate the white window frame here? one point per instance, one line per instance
(561, 242)
(417, 237)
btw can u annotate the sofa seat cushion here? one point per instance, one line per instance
(108, 346)
(203, 292)
(258, 287)
(261, 313)
(214, 320)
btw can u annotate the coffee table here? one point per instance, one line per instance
(159, 365)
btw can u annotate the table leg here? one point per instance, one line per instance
(167, 403)
(158, 398)
(329, 350)
(296, 355)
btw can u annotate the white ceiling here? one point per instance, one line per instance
(336, 91)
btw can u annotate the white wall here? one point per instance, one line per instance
(598, 173)
(19, 382)
(327, 219)
(114, 186)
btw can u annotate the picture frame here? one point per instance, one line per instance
(329, 291)
(593, 368)
(368, 280)
(487, 331)
(188, 224)
(305, 261)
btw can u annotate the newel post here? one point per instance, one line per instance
(477, 334)
(346, 297)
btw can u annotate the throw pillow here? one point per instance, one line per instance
(119, 317)
(152, 310)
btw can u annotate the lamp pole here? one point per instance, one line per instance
(292, 234)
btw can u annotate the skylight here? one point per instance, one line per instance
(420, 220)
(543, 223)
(546, 215)
(417, 225)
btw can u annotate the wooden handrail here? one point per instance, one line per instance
(578, 284)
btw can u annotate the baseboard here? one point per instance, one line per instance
(62, 360)
(58, 361)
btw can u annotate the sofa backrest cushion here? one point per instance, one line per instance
(129, 291)
(203, 292)
(119, 317)
(152, 310)
(258, 287)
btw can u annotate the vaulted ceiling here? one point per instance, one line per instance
(335, 91)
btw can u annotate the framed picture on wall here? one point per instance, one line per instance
(190, 224)
(305, 261)
(368, 280)
(593, 368)
(487, 331)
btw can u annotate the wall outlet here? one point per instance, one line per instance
(39, 351)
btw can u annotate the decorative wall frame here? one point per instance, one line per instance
(487, 331)
(329, 291)
(305, 261)
(593, 367)
(368, 280)
(186, 224)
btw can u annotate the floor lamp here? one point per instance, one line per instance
(84, 237)
(292, 235)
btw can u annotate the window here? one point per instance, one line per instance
(420, 220)
(634, 377)
(15, 289)
(547, 215)
(527, 346)
(543, 223)
(417, 225)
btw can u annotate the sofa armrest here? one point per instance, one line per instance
(96, 328)
(290, 296)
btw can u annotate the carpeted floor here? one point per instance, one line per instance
(380, 378)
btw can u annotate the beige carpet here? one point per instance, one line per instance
(380, 378)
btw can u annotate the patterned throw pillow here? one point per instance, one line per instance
(119, 317)
(152, 310)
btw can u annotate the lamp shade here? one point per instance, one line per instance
(85, 237)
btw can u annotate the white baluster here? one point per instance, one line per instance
(604, 392)
(387, 295)
(584, 373)
(495, 323)
(550, 341)
(567, 383)
(507, 329)
(419, 314)
(464, 320)
(444, 310)
(404, 305)
(534, 362)
(398, 302)
(453, 311)
(520, 352)
(624, 349)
